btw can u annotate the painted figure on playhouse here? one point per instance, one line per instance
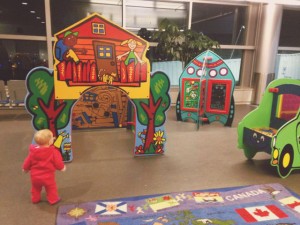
(64, 49)
(132, 56)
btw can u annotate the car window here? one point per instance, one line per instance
(288, 105)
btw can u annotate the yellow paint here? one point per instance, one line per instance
(58, 141)
(286, 160)
(279, 106)
(275, 154)
(72, 55)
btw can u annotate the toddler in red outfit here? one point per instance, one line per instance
(42, 162)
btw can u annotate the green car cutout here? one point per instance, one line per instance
(273, 127)
(286, 147)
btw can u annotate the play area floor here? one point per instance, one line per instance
(104, 167)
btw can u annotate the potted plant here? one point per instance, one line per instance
(177, 44)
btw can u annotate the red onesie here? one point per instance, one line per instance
(42, 163)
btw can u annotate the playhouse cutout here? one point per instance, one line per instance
(100, 70)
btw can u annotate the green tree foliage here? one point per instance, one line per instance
(41, 104)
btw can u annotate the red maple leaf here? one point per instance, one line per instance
(261, 213)
(131, 208)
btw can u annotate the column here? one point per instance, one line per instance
(267, 46)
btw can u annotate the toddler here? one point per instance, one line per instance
(42, 162)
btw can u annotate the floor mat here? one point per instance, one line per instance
(270, 204)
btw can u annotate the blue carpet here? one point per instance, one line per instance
(267, 204)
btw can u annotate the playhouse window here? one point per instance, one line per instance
(105, 52)
(218, 96)
(98, 28)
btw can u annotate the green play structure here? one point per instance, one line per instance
(274, 126)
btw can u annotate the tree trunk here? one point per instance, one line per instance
(52, 112)
(150, 132)
(150, 109)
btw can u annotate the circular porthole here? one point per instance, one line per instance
(200, 72)
(223, 71)
(190, 70)
(213, 73)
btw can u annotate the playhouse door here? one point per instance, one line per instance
(101, 107)
(106, 61)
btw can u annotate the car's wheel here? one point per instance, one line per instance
(249, 153)
(285, 161)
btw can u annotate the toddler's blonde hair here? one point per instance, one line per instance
(42, 137)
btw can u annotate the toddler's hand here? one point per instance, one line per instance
(63, 169)
(25, 171)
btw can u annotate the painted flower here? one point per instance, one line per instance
(158, 137)
(139, 150)
(77, 212)
(144, 132)
(159, 149)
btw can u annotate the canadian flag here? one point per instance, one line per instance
(261, 213)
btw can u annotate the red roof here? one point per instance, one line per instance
(112, 31)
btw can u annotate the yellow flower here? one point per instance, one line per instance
(77, 212)
(158, 137)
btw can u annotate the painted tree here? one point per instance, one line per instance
(47, 112)
(152, 112)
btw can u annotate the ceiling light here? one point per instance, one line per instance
(38, 18)
(24, 3)
(32, 11)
